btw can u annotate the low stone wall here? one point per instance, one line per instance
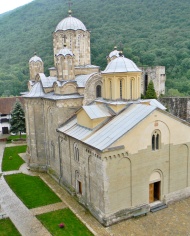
(179, 107)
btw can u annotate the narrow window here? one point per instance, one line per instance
(121, 88)
(131, 88)
(110, 89)
(79, 187)
(153, 142)
(156, 140)
(76, 152)
(145, 82)
(98, 91)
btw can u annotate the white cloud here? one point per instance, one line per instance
(7, 5)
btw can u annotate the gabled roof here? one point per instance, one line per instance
(97, 111)
(112, 130)
(47, 82)
(36, 91)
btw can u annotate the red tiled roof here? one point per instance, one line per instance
(6, 104)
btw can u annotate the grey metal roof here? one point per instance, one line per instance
(114, 53)
(74, 130)
(35, 59)
(47, 82)
(154, 102)
(70, 23)
(64, 52)
(121, 64)
(119, 125)
(87, 66)
(82, 79)
(36, 91)
(97, 111)
(53, 96)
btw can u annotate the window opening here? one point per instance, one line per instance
(98, 91)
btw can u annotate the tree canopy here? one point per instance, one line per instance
(17, 120)
(149, 32)
(150, 92)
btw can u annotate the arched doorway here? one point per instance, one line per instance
(154, 187)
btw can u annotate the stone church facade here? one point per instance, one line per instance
(90, 130)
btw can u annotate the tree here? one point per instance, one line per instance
(17, 120)
(150, 93)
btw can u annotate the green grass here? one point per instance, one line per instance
(73, 226)
(31, 190)
(7, 228)
(11, 159)
(14, 137)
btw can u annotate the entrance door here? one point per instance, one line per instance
(151, 193)
(154, 192)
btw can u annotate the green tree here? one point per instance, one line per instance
(150, 93)
(17, 120)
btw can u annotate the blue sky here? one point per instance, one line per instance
(7, 5)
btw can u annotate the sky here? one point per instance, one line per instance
(7, 5)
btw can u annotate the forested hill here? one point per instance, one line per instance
(149, 32)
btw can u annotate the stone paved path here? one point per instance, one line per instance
(48, 208)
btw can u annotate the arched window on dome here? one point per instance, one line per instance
(156, 140)
(110, 89)
(121, 88)
(98, 91)
(132, 88)
(79, 47)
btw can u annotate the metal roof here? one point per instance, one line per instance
(36, 91)
(82, 79)
(154, 102)
(47, 82)
(96, 111)
(70, 23)
(35, 59)
(74, 130)
(114, 53)
(121, 64)
(119, 125)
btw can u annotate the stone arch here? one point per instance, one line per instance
(155, 186)
(90, 88)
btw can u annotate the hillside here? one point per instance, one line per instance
(149, 32)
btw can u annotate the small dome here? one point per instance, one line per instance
(114, 53)
(70, 23)
(35, 59)
(65, 51)
(121, 64)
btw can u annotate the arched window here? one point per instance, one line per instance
(110, 89)
(121, 89)
(145, 82)
(76, 152)
(98, 91)
(156, 140)
(131, 88)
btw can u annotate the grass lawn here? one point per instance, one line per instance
(31, 190)
(11, 159)
(7, 228)
(13, 137)
(73, 226)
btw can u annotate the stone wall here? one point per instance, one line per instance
(179, 107)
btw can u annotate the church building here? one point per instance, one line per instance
(90, 130)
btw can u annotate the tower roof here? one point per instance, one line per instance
(115, 53)
(70, 23)
(121, 64)
(35, 59)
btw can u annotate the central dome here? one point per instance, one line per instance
(121, 64)
(70, 23)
